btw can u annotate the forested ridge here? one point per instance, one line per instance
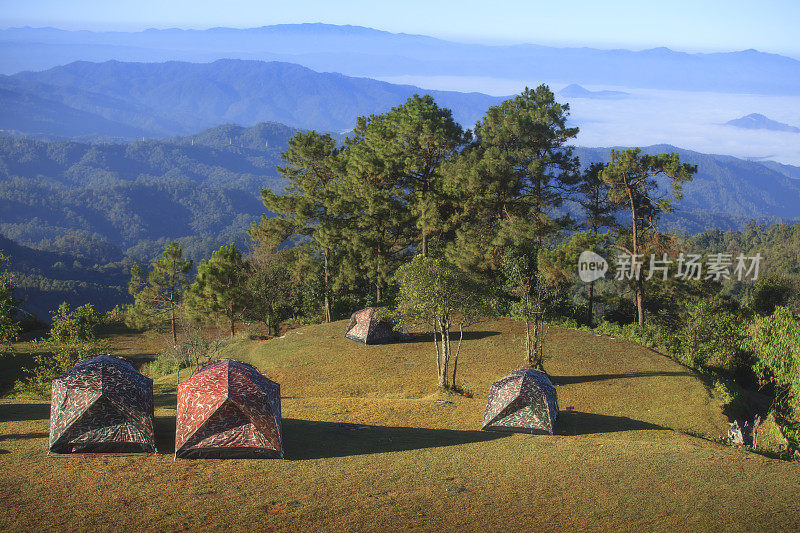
(109, 201)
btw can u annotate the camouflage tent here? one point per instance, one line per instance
(102, 404)
(228, 409)
(369, 327)
(524, 401)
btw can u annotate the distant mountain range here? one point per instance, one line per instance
(132, 100)
(574, 90)
(756, 121)
(359, 51)
(206, 186)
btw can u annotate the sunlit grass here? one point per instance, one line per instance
(624, 456)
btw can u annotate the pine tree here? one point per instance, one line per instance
(161, 296)
(417, 139)
(9, 325)
(631, 179)
(599, 212)
(512, 179)
(220, 288)
(306, 210)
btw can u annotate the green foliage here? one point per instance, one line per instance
(270, 287)
(775, 340)
(510, 182)
(9, 325)
(71, 338)
(768, 293)
(160, 298)
(715, 336)
(435, 293)
(219, 291)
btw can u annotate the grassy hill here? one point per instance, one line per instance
(634, 449)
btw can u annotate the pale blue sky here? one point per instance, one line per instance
(711, 25)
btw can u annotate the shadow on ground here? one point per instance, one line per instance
(306, 439)
(16, 436)
(570, 380)
(468, 336)
(17, 412)
(164, 427)
(578, 423)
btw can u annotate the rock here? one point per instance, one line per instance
(735, 433)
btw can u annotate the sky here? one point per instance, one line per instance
(692, 26)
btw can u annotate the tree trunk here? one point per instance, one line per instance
(528, 347)
(233, 327)
(326, 310)
(172, 319)
(445, 355)
(640, 303)
(639, 288)
(438, 355)
(591, 303)
(458, 351)
(377, 293)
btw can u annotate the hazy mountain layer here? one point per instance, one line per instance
(165, 99)
(360, 51)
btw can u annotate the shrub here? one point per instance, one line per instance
(714, 336)
(70, 339)
(775, 341)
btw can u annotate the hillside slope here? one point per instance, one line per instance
(623, 456)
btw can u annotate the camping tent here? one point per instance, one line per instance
(524, 401)
(369, 327)
(102, 404)
(228, 409)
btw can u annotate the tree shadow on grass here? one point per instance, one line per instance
(428, 337)
(307, 439)
(18, 412)
(17, 436)
(577, 423)
(571, 380)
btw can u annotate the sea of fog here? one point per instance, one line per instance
(692, 120)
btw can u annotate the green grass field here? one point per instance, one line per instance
(636, 452)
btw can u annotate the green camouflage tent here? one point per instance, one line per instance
(369, 327)
(102, 404)
(524, 402)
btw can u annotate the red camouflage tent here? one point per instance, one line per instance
(228, 409)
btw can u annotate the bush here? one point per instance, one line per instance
(116, 317)
(775, 341)
(164, 365)
(70, 339)
(714, 336)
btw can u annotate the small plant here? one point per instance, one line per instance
(70, 339)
